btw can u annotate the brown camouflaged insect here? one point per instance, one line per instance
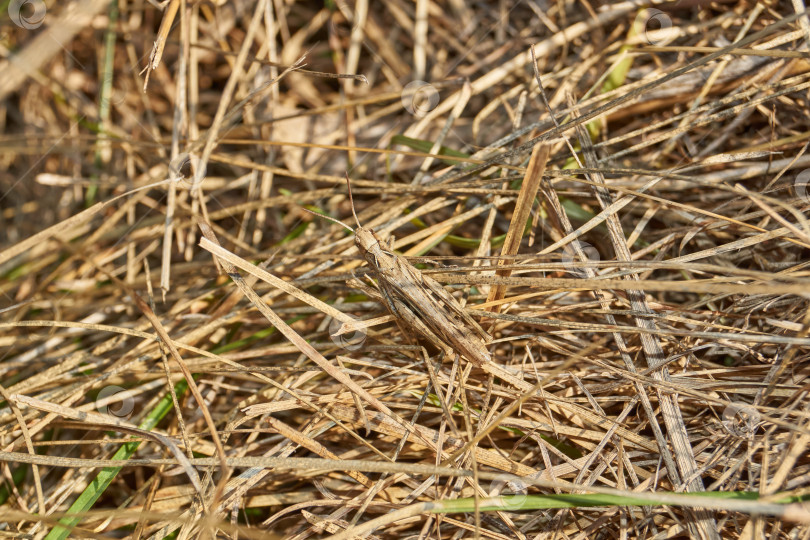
(418, 300)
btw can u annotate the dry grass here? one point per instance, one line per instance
(644, 279)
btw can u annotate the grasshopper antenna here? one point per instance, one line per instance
(351, 200)
(333, 220)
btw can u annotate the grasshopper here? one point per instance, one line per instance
(419, 300)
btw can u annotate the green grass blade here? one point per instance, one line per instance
(105, 476)
(519, 502)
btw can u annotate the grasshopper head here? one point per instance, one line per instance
(366, 240)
